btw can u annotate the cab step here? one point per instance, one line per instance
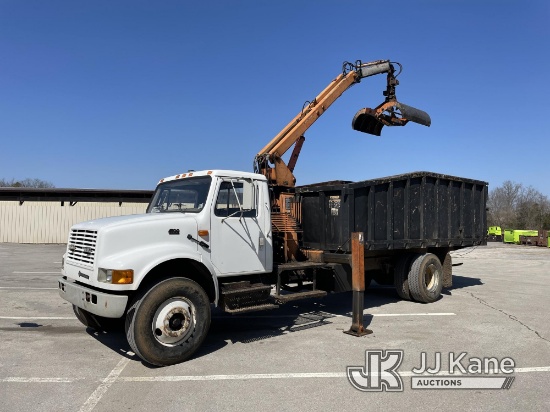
(281, 299)
(240, 297)
(265, 306)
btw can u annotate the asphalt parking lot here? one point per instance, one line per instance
(293, 358)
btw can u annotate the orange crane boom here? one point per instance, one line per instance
(389, 113)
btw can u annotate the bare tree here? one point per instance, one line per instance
(38, 183)
(502, 203)
(532, 209)
(514, 206)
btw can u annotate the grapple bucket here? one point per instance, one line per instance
(390, 113)
(365, 121)
(414, 115)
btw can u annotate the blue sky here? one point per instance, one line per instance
(117, 94)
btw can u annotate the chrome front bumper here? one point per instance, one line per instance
(98, 303)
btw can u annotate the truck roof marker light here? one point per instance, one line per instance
(177, 176)
(190, 174)
(161, 180)
(209, 172)
(183, 175)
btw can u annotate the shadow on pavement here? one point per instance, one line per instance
(460, 282)
(293, 317)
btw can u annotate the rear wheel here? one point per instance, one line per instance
(167, 324)
(448, 271)
(401, 276)
(368, 279)
(382, 278)
(425, 278)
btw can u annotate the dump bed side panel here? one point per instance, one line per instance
(415, 210)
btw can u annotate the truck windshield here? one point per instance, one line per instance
(185, 195)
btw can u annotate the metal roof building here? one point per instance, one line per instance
(29, 215)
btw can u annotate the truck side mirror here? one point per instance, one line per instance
(249, 196)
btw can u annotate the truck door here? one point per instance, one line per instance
(238, 242)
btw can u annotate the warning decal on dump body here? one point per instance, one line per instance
(334, 205)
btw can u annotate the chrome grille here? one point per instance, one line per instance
(81, 247)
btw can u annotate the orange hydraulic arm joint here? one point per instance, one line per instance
(389, 113)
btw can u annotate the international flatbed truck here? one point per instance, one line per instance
(253, 241)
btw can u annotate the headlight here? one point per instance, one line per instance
(116, 277)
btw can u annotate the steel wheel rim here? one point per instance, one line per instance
(430, 278)
(174, 321)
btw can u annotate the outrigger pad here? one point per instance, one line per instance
(365, 121)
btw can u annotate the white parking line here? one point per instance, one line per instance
(280, 376)
(411, 314)
(114, 376)
(20, 287)
(96, 396)
(37, 273)
(37, 318)
(245, 317)
(248, 376)
(535, 369)
(447, 373)
(335, 316)
(241, 317)
(37, 380)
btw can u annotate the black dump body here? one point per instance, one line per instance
(409, 211)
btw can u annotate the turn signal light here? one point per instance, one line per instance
(122, 277)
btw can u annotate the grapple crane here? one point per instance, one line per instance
(269, 160)
(285, 213)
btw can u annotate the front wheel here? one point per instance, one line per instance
(98, 323)
(166, 324)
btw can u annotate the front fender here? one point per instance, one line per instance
(143, 259)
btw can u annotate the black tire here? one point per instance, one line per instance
(401, 275)
(426, 278)
(166, 324)
(368, 280)
(84, 317)
(448, 271)
(98, 323)
(382, 278)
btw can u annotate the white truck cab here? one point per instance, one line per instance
(199, 226)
